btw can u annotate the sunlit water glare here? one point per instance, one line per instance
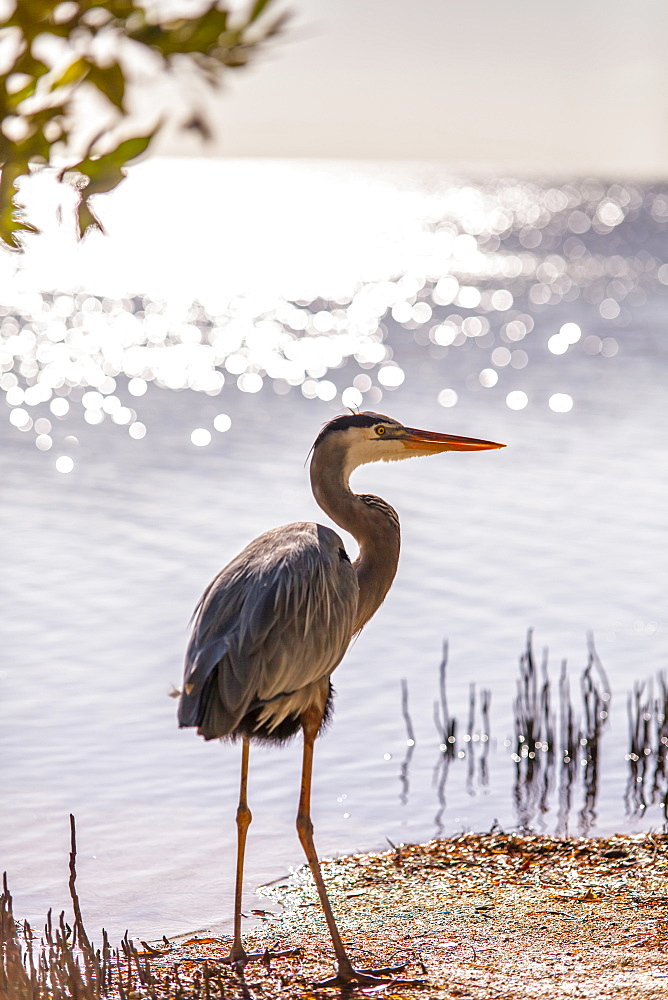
(163, 386)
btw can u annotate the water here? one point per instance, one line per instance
(336, 290)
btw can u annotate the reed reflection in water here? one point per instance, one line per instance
(546, 755)
(648, 747)
(446, 727)
(556, 748)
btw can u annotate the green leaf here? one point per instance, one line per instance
(74, 73)
(110, 81)
(126, 151)
(104, 173)
(87, 219)
(12, 221)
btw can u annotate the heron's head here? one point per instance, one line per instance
(358, 438)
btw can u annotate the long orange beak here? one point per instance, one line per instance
(431, 442)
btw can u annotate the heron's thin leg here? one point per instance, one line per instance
(346, 974)
(244, 817)
(311, 720)
(238, 956)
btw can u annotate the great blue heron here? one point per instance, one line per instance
(272, 626)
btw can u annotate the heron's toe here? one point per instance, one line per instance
(239, 957)
(368, 977)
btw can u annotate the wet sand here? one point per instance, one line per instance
(474, 916)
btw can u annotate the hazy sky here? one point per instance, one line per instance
(575, 86)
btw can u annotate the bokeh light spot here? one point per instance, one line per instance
(501, 300)
(468, 297)
(122, 415)
(516, 400)
(362, 382)
(137, 430)
(447, 397)
(59, 406)
(557, 344)
(200, 437)
(43, 442)
(501, 357)
(561, 402)
(391, 376)
(137, 386)
(446, 290)
(609, 347)
(251, 382)
(326, 390)
(222, 422)
(609, 309)
(20, 418)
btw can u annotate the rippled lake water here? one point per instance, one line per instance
(163, 389)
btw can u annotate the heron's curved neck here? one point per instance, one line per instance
(374, 525)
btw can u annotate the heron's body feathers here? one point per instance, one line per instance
(268, 632)
(274, 624)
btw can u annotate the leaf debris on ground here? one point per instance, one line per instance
(486, 916)
(514, 917)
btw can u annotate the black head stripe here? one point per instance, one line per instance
(342, 423)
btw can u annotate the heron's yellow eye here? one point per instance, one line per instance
(380, 430)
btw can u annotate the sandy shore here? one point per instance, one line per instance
(475, 916)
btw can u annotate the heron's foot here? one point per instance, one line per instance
(239, 957)
(348, 976)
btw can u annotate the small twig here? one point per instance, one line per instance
(78, 919)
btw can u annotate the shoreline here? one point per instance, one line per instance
(479, 915)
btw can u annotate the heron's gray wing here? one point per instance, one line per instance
(278, 618)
